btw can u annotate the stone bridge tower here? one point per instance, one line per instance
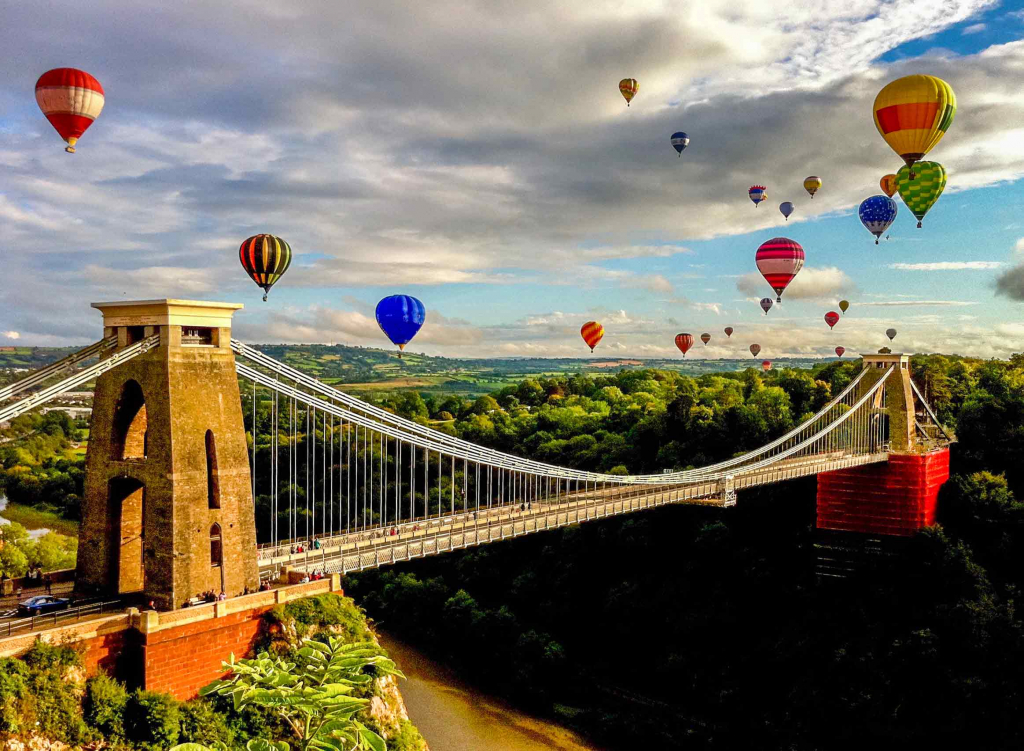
(168, 507)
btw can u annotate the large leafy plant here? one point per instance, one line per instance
(313, 696)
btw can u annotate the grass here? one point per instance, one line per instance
(33, 518)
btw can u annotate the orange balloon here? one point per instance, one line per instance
(888, 184)
(592, 333)
(628, 88)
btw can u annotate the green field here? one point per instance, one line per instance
(364, 369)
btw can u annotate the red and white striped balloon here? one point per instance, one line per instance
(684, 342)
(779, 260)
(71, 99)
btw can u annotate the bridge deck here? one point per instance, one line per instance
(416, 539)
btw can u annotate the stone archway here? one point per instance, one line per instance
(128, 509)
(130, 425)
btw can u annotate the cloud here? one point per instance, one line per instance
(974, 28)
(11, 335)
(810, 284)
(947, 266)
(1011, 283)
(711, 307)
(382, 168)
(1019, 247)
(915, 303)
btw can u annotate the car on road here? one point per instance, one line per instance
(43, 604)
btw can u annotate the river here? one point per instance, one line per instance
(453, 716)
(34, 533)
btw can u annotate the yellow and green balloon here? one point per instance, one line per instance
(922, 191)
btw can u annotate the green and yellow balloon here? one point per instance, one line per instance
(921, 192)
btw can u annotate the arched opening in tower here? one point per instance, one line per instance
(212, 478)
(127, 504)
(130, 433)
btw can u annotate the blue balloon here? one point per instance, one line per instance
(400, 317)
(680, 141)
(877, 213)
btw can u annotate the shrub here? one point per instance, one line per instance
(152, 720)
(324, 611)
(202, 723)
(105, 701)
(55, 703)
(13, 688)
(43, 656)
(408, 738)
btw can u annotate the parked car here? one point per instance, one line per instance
(43, 604)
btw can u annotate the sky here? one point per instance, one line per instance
(479, 156)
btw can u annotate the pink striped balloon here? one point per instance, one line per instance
(779, 260)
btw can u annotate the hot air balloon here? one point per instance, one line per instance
(265, 258)
(840, 351)
(786, 207)
(400, 317)
(844, 306)
(754, 349)
(888, 184)
(728, 331)
(921, 191)
(779, 260)
(628, 88)
(766, 365)
(877, 213)
(71, 99)
(831, 318)
(680, 141)
(766, 304)
(684, 342)
(757, 193)
(705, 337)
(812, 184)
(592, 333)
(891, 333)
(913, 113)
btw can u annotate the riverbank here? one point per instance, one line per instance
(37, 520)
(454, 716)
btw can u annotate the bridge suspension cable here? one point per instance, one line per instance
(847, 432)
(38, 376)
(77, 379)
(415, 431)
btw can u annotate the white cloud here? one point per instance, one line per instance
(1019, 247)
(947, 266)
(915, 303)
(810, 284)
(974, 28)
(11, 335)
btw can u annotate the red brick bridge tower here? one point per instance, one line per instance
(168, 507)
(896, 498)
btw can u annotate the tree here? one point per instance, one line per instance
(315, 699)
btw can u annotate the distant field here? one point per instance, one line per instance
(392, 383)
(364, 369)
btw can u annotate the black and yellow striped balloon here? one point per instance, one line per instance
(265, 258)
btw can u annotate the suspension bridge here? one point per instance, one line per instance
(350, 485)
